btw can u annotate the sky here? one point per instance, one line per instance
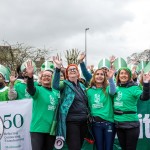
(116, 27)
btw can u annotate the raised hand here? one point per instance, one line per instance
(81, 57)
(146, 77)
(134, 75)
(112, 59)
(12, 77)
(110, 73)
(29, 69)
(57, 61)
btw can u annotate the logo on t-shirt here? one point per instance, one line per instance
(52, 100)
(97, 103)
(52, 103)
(118, 99)
(119, 96)
(96, 98)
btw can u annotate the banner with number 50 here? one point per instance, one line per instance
(14, 125)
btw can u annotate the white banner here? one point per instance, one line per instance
(16, 116)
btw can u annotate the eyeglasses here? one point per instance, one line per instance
(44, 75)
(72, 69)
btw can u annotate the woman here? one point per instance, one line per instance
(72, 125)
(45, 101)
(101, 107)
(125, 108)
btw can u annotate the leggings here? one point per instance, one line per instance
(42, 141)
(76, 132)
(128, 138)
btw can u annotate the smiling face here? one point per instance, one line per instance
(99, 77)
(72, 72)
(46, 78)
(123, 76)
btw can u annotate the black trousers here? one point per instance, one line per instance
(76, 132)
(128, 138)
(42, 141)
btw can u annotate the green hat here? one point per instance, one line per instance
(119, 62)
(141, 65)
(127, 69)
(8, 72)
(5, 73)
(47, 66)
(104, 63)
(23, 66)
(147, 68)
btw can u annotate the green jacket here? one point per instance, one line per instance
(67, 98)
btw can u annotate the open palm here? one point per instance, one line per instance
(57, 61)
(29, 68)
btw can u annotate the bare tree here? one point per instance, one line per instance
(72, 56)
(14, 55)
(135, 58)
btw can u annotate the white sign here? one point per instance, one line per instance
(16, 116)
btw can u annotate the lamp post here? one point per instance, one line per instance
(86, 46)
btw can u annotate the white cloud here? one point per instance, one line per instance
(116, 27)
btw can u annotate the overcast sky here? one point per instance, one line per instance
(118, 27)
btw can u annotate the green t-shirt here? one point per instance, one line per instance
(4, 94)
(44, 104)
(126, 99)
(21, 89)
(100, 103)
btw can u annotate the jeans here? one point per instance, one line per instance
(104, 134)
(76, 132)
(42, 141)
(128, 138)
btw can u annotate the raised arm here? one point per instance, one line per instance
(12, 94)
(84, 70)
(56, 79)
(30, 83)
(110, 73)
(146, 88)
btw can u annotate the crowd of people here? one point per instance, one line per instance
(102, 102)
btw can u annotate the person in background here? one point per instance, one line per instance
(18, 85)
(125, 107)
(45, 101)
(4, 90)
(72, 124)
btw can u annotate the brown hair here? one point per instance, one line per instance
(117, 77)
(93, 82)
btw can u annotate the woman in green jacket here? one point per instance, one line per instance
(72, 125)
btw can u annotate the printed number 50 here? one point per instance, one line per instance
(8, 123)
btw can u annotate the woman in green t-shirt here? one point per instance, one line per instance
(45, 101)
(125, 107)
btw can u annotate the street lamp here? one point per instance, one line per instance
(86, 46)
